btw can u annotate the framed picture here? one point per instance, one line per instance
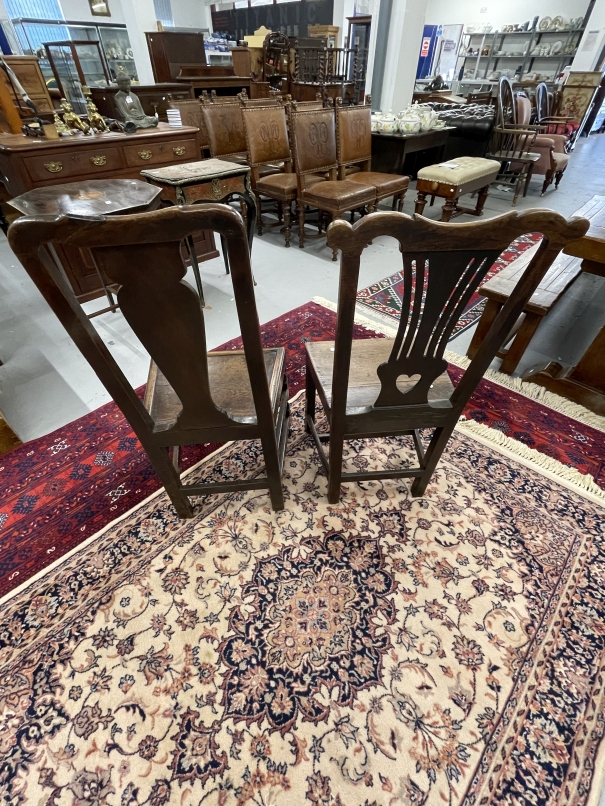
(99, 8)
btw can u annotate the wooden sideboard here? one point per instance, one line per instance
(26, 164)
(152, 97)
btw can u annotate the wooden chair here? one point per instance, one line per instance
(192, 396)
(226, 137)
(553, 124)
(314, 143)
(354, 148)
(389, 387)
(267, 141)
(511, 144)
(192, 115)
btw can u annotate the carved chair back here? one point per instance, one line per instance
(226, 136)
(313, 135)
(353, 134)
(443, 265)
(267, 141)
(192, 115)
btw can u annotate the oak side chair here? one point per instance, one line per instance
(192, 396)
(372, 388)
(313, 135)
(354, 148)
(267, 140)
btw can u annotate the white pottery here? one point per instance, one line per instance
(388, 123)
(409, 125)
(375, 123)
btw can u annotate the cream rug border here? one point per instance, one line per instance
(383, 324)
(569, 477)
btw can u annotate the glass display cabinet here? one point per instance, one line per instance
(74, 64)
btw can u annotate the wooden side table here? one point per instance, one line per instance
(206, 181)
(92, 197)
(584, 383)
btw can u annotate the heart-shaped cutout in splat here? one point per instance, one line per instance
(405, 383)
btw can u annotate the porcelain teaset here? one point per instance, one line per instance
(414, 119)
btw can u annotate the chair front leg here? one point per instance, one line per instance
(287, 222)
(335, 217)
(300, 209)
(558, 177)
(259, 218)
(547, 181)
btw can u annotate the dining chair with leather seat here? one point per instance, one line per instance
(313, 135)
(267, 141)
(354, 149)
(375, 388)
(192, 396)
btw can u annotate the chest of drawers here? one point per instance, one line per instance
(26, 164)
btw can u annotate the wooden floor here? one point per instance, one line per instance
(8, 438)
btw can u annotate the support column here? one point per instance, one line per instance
(593, 39)
(139, 16)
(342, 10)
(403, 50)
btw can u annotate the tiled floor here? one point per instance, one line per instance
(45, 382)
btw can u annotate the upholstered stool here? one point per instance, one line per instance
(453, 179)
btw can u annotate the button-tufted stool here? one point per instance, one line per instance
(453, 179)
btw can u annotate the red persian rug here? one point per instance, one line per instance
(385, 296)
(63, 488)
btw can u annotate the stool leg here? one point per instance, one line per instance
(449, 208)
(481, 199)
(420, 203)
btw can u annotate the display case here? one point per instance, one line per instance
(75, 64)
(116, 52)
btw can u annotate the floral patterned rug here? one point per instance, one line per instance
(385, 296)
(384, 651)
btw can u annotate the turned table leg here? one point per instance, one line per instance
(481, 199)
(449, 208)
(420, 203)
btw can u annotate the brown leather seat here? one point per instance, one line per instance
(385, 184)
(339, 196)
(354, 141)
(314, 142)
(284, 184)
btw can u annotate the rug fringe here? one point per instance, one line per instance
(530, 390)
(582, 483)
(534, 392)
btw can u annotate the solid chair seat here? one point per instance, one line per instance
(284, 186)
(385, 184)
(345, 195)
(229, 387)
(364, 384)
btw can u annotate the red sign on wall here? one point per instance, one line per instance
(426, 44)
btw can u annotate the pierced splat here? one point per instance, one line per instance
(436, 289)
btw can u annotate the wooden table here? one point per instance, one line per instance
(584, 383)
(212, 180)
(27, 163)
(89, 198)
(389, 151)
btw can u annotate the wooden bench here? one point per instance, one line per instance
(556, 281)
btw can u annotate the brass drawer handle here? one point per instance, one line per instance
(53, 167)
(145, 155)
(98, 160)
(179, 150)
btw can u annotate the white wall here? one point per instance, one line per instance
(498, 13)
(79, 11)
(587, 59)
(191, 14)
